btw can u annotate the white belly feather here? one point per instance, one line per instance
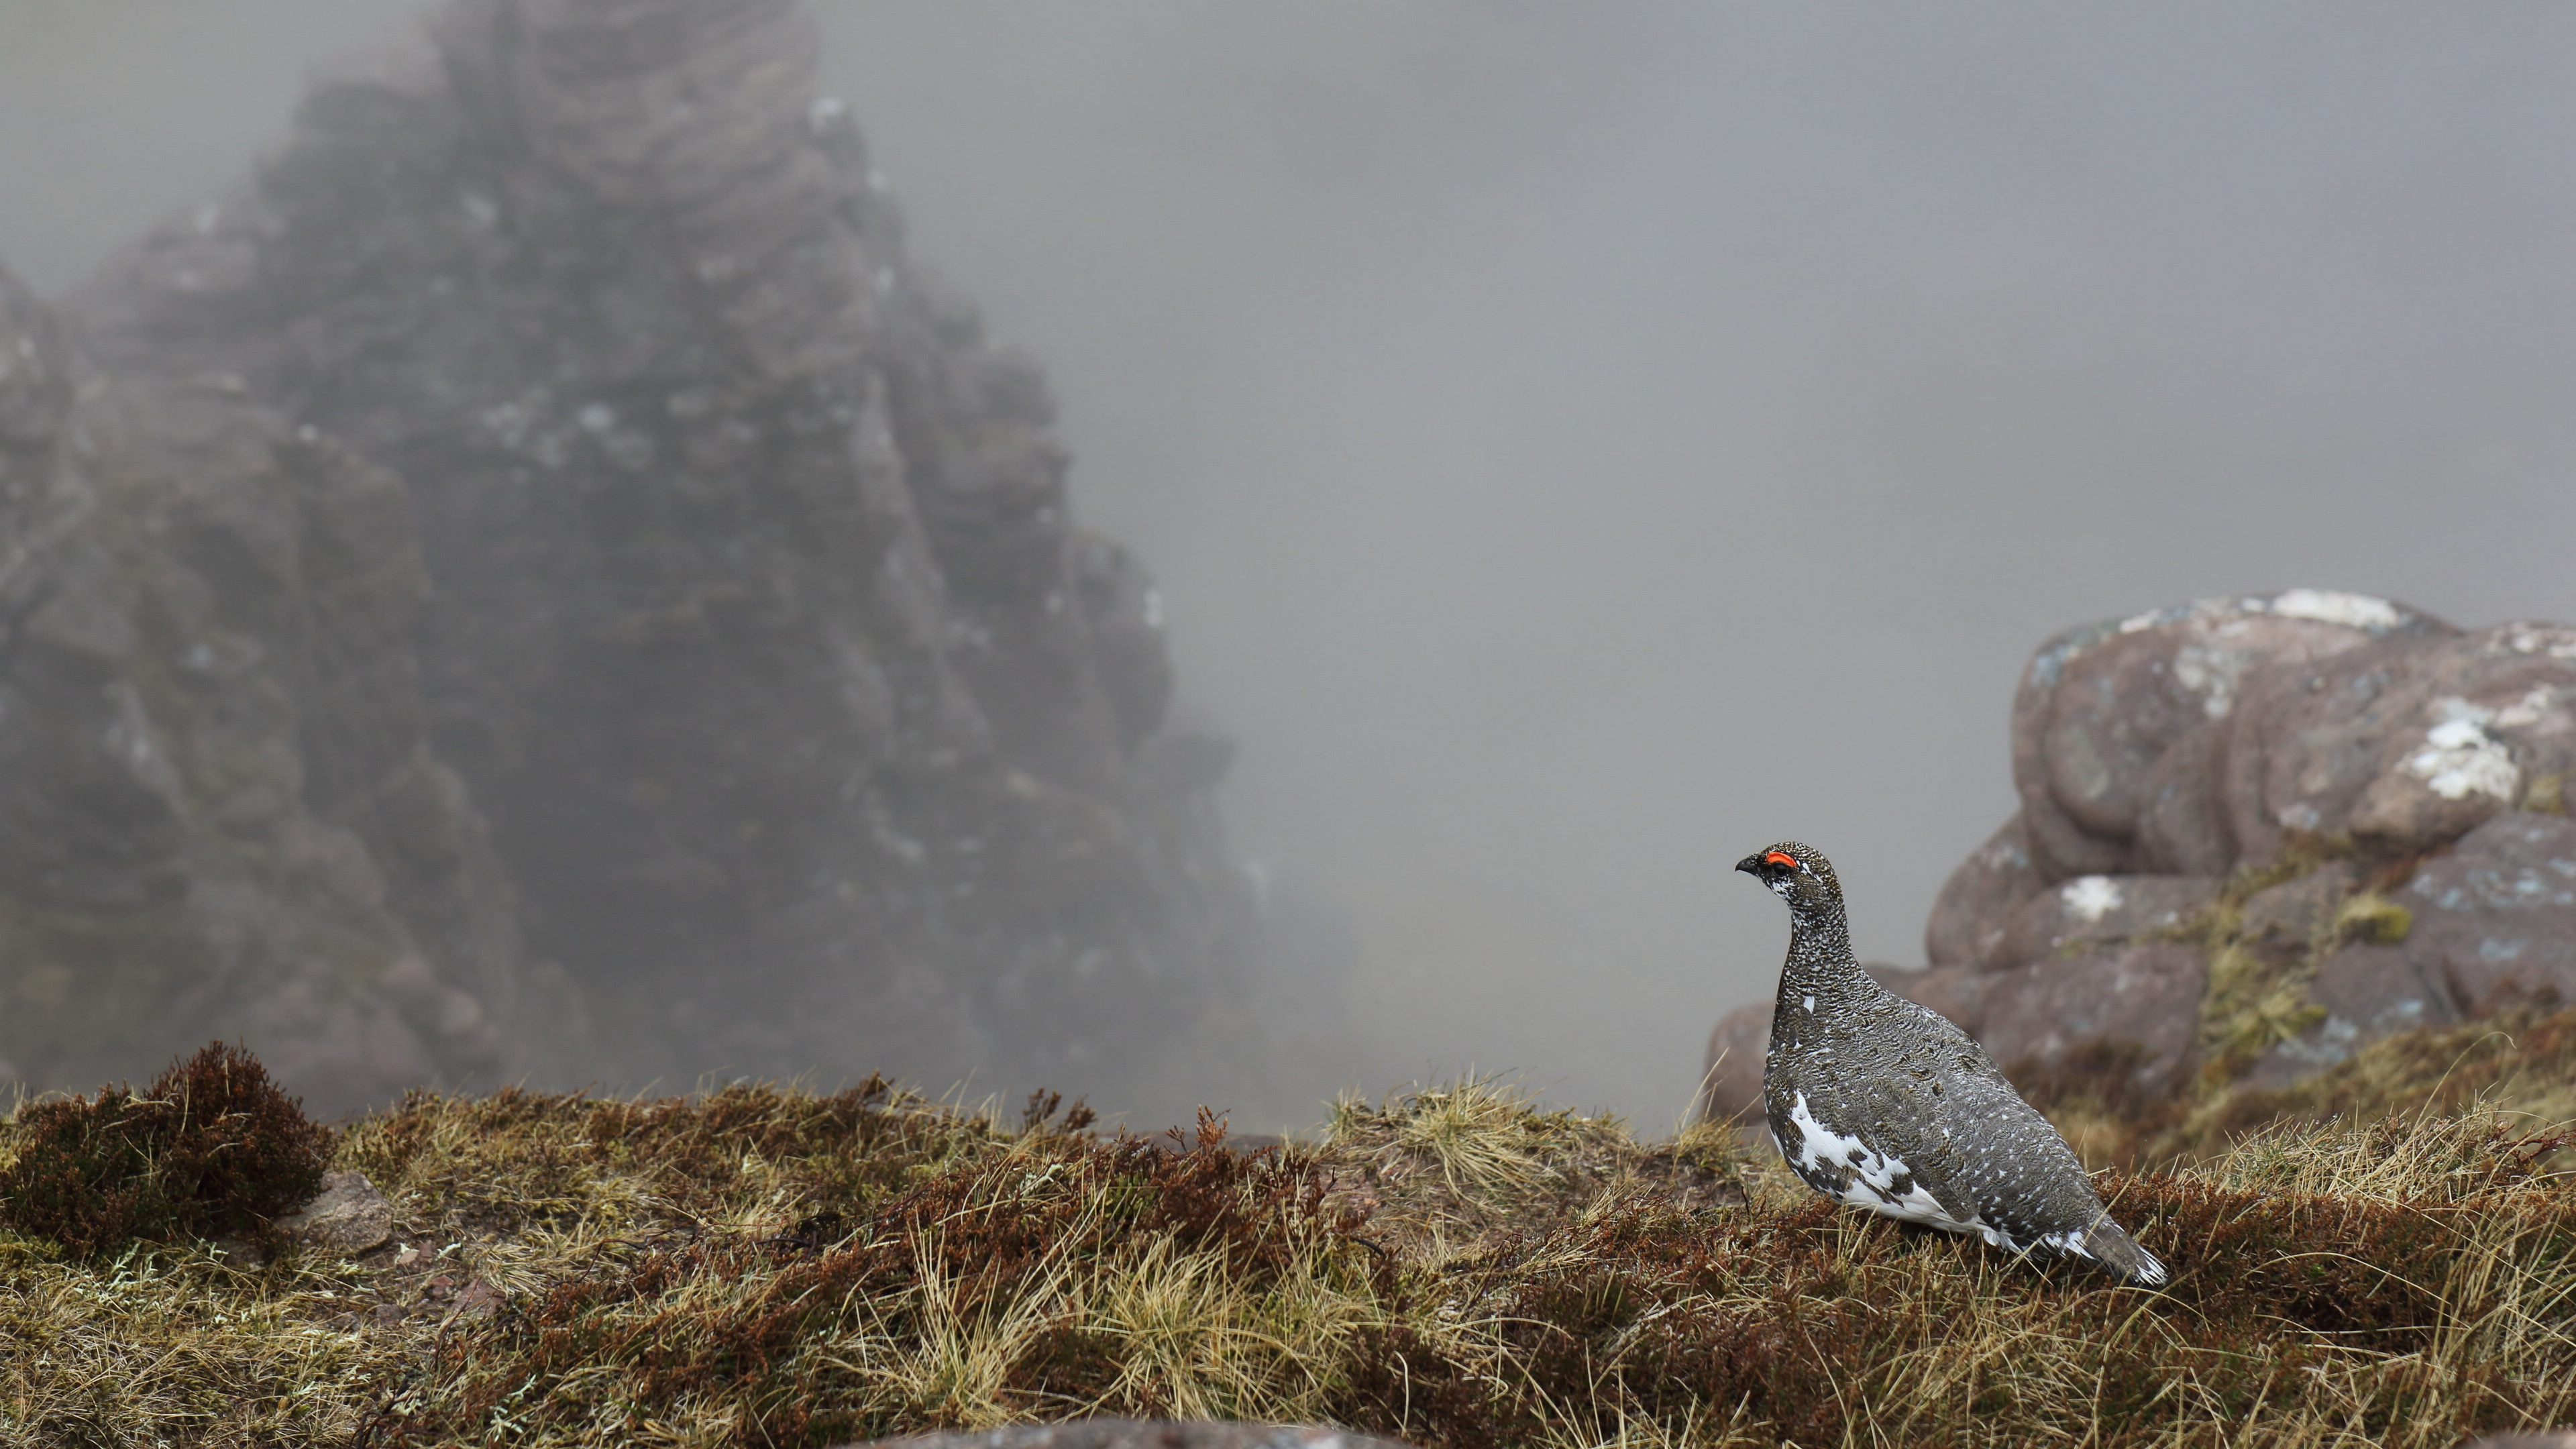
(1872, 1175)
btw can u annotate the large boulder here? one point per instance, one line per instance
(2093, 911)
(1730, 1078)
(1957, 992)
(2099, 961)
(2405, 746)
(614, 551)
(2100, 707)
(2194, 741)
(1981, 894)
(2214, 798)
(2489, 925)
(2499, 913)
(2140, 1000)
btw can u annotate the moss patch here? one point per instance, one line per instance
(2372, 919)
(2258, 991)
(2547, 794)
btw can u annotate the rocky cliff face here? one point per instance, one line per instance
(590, 565)
(2257, 832)
(221, 811)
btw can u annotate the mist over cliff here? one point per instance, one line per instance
(1575, 448)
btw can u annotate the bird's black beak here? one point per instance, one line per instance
(1751, 864)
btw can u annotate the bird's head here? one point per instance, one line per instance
(1798, 874)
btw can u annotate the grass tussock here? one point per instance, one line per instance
(1444, 1165)
(1457, 1266)
(2520, 1063)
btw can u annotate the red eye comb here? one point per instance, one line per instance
(1779, 857)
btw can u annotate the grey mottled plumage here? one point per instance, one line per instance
(1885, 1104)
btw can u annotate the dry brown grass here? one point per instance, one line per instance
(2519, 1064)
(1457, 1266)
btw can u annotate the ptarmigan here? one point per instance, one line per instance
(1887, 1105)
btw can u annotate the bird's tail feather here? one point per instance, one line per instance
(2108, 1244)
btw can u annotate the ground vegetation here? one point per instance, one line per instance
(2384, 1255)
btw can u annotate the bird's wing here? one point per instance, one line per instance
(1915, 1096)
(1991, 1157)
(2011, 1164)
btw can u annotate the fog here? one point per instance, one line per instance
(1579, 445)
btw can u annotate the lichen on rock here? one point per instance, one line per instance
(2316, 794)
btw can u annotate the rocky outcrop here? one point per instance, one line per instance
(575, 532)
(2245, 781)
(220, 813)
(2144, 999)
(2095, 911)
(2197, 740)
(2496, 918)
(2404, 749)
(1730, 1077)
(2256, 832)
(2125, 734)
(2488, 925)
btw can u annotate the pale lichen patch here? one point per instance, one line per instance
(2531, 709)
(2554, 640)
(2211, 673)
(2459, 758)
(2333, 606)
(2089, 898)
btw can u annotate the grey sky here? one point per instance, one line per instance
(1580, 444)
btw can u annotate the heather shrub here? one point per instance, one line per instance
(211, 1148)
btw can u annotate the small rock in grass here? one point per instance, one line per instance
(240, 1252)
(475, 1301)
(349, 1217)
